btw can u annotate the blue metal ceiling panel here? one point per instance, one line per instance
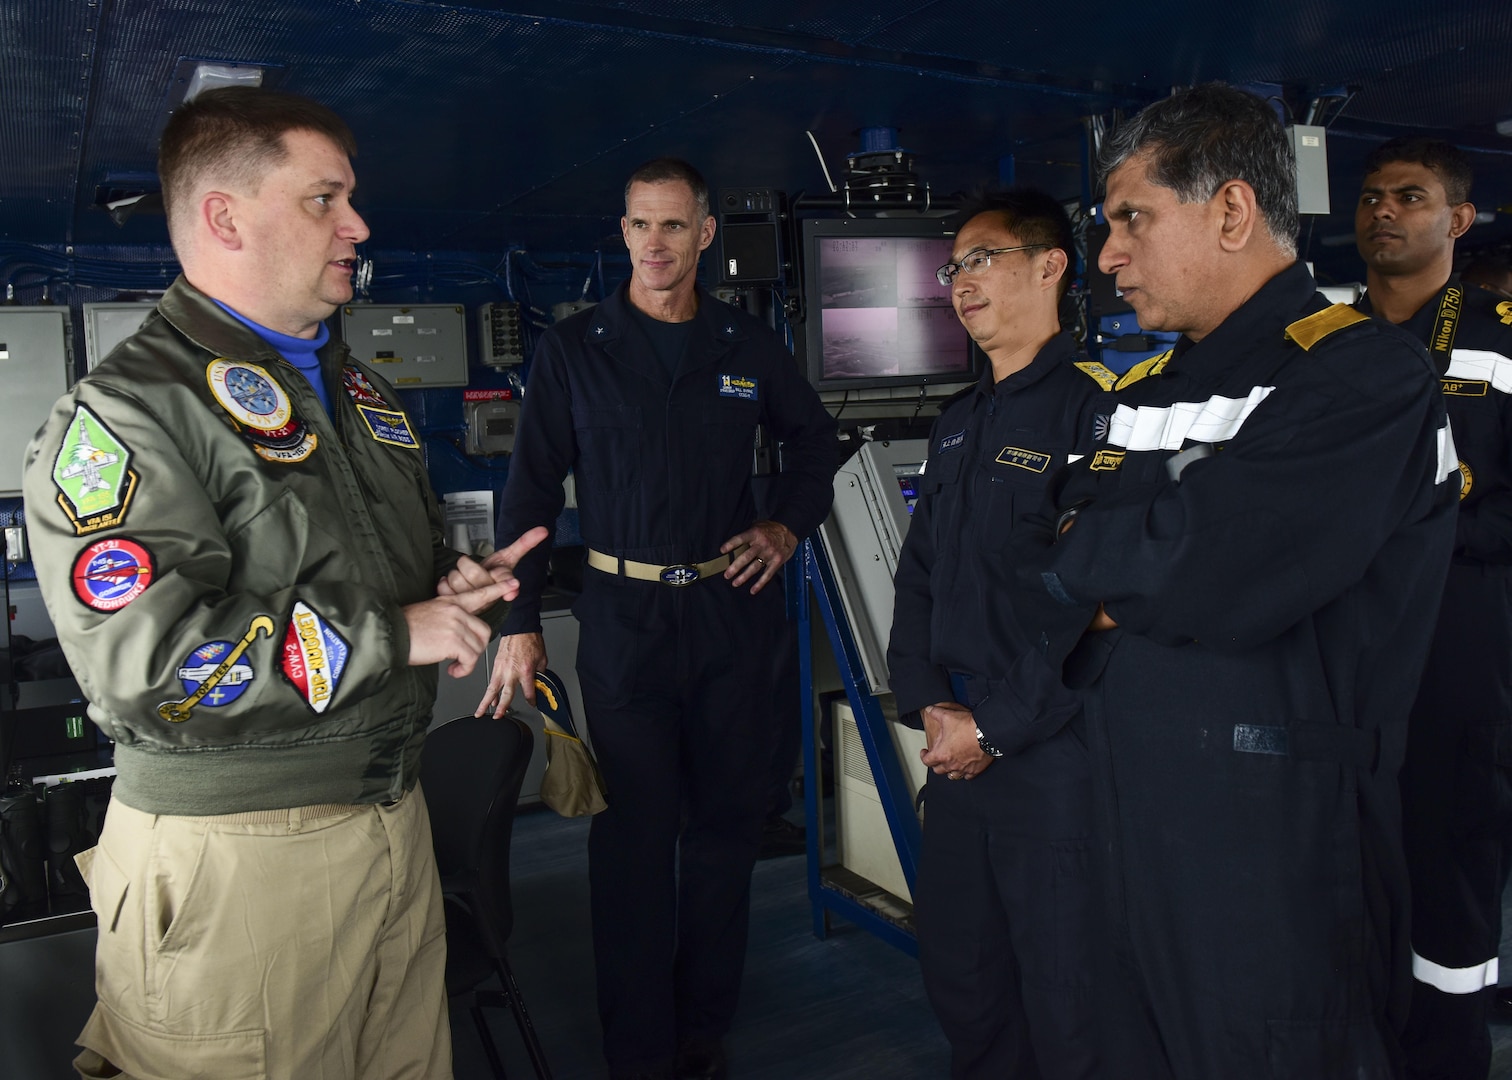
(501, 121)
(46, 55)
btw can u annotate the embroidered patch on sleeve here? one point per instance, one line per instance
(93, 474)
(737, 386)
(388, 426)
(109, 574)
(214, 674)
(314, 656)
(951, 442)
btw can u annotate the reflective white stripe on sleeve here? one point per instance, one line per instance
(1495, 368)
(1448, 456)
(1152, 427)
(1467, 980)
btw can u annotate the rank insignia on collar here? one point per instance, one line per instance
(109, 574)
(215, 674)
(360, 388)
(314, 656)
(93, 474)
(389, 426)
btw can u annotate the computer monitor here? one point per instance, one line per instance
(875, 315)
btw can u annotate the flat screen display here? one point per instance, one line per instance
(876, 315)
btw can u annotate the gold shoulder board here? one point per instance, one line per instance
(1104, 377)
(1153, 366)
(1313, 329)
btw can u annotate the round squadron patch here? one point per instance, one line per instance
(218, 667)
(109, 574)
(250, 395)
(262, 408)
(1467, 478)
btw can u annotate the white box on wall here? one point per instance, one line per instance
(34, 369)
(410, 345)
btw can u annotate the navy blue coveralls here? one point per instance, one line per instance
(675, 680)
(1457, 779)
(1004, 901)
(1269, 524)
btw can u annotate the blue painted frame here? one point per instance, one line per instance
(817, 580)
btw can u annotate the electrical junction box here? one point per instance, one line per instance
(34, 372)
(414, 345)
(570, 307)
(750, 236)
(1310, 144)
(500, 343)
(107, 325)
(493, 417)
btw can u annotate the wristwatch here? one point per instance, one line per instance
(987, 747)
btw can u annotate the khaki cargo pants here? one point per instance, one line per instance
(303, 944)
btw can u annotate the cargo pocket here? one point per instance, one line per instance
(111, 1042)
(612, 636)
(1484, 783)
(609, 448)
(729, 434)
(939, 474)
(108, 886)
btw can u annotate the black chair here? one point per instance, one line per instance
(471, 771)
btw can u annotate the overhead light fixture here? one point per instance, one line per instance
(212, 76)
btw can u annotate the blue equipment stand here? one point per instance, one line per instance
(827, 891)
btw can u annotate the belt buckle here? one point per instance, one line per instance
(679, 575)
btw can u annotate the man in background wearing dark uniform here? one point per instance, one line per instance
(1456, 784)
(1491, 273)
(237, 543)
(1004, 898)
(652, 399)
(1246, 578)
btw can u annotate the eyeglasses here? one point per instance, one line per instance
(977, 261)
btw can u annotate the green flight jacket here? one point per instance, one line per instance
(226, 565)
